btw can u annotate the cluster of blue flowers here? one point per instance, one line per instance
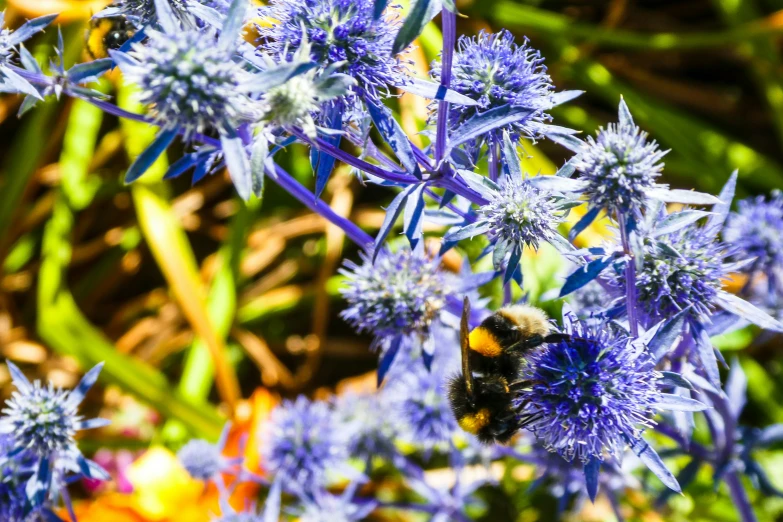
(647, 302)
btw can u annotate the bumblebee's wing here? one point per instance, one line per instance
(464, 341)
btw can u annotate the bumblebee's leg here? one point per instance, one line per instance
(556, 338)
(526, 420)
(521, 385)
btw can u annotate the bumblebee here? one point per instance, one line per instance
(496, 350)
(107, 34)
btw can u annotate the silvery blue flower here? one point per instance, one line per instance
(303, 441)
(15, 471)
(620, 166)
(43, 422)
(594, 393)
(189, 13)
(756, 232)
(342, 33)
(401, 293)
(373, 431)
(519, 215)
(188, 82)
(494, 70)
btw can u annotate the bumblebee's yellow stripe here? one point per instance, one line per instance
(474, 422)
(95, 45)
(483, 342)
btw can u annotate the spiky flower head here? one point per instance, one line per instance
(365, 415)
(296, 101)
(593, 393)
(189, 82)
(15, 470)
(494, 70)
(675, 271)
(201, 459)
(522, 215)
(303, 441)
(239, 517)
(341, 33)
(620, 166)
(756, 231)
(420, 404)
(43, 419)
(401, 292)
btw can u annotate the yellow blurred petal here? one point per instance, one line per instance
(162, 488)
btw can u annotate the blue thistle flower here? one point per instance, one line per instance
(419, 401)
(593, 393)
(43, 421)
(189, 82)
(620, 166)
(202, 460)
(143, 12)
(401, 293)
(303, 441)
(240, 517)
(372, 431)
(15, 471)
(342, 33)
(10, 41)
(497, 72)
(755, 230)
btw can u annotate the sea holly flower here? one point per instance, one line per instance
(500, 75)
(189, 13)
(400, 294)
(205, 461)
(756, 232)
(373, 431)
(519, 215)
(618, 172)
(303, 443)
(344, 35)
(294, 102)
(192, 84)
(42, 422)
(593, 393)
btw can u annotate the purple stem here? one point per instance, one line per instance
(296, 189)
(740, 497)
(630, 277)
(449, 39)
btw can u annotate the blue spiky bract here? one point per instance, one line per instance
(494, 70)
(592, 393)
(342, 32)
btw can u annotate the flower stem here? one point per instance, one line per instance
(494, 161)
(630, 277)
(740, 497)
(449, 39)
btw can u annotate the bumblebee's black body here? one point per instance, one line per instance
(108, 34)
(483, 404)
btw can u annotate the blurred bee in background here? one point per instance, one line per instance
(107, 34)
(496, 350)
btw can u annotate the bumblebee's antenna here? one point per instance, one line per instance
(464, 341)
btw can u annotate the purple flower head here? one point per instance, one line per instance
(342, 32)
(240, 517)
(419, 402)
(42, 422)
(201, 459)
(497, 72)
(303, 441)
(189, 82)
(679, 270)
(15, 471)
(366, 417)
(402, 292)
(593, 393)
(756, 231)
(620, 166)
